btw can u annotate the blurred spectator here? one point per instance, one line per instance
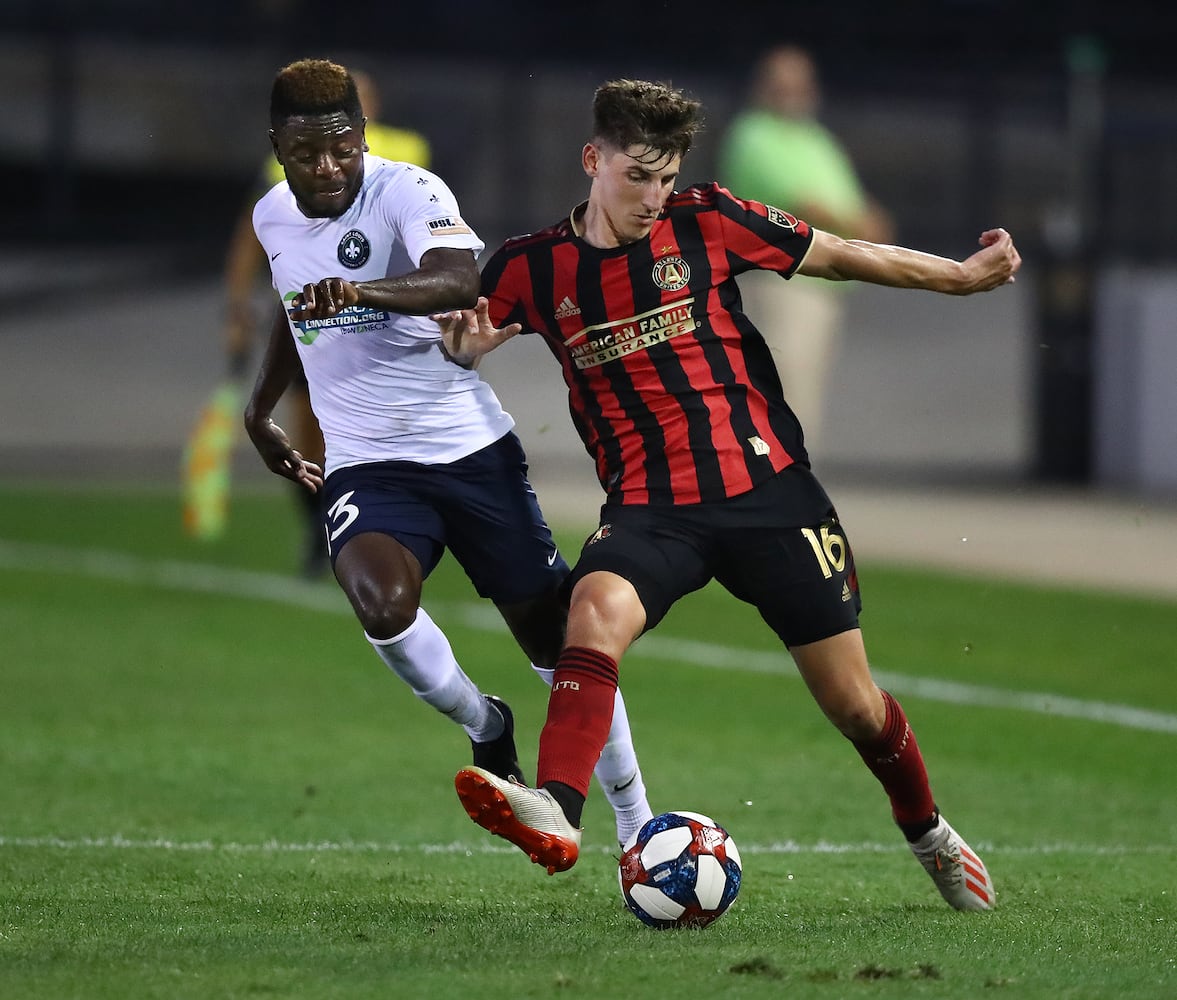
(777, 152)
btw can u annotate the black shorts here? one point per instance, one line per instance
(800, 577)
(481, 507)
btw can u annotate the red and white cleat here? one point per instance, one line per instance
(528, 817)
(961, 876)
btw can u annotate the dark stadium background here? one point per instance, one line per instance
(137, 128)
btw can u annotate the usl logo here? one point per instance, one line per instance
(450, 225)
(354, 250)
(671, 273)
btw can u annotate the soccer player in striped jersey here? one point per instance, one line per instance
(677, 399)
(420, 455)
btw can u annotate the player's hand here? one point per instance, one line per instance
(468, 334)
(995, 264)
(274, 447)
(324, 298)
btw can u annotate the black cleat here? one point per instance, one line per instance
(499, 755)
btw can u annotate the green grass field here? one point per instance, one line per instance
(212, 788)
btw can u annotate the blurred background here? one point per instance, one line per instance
(133, 132)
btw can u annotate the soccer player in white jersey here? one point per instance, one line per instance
(420, 455)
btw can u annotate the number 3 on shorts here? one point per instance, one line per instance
(344, 513)
(829, 547)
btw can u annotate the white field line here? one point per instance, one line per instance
(347, 847)
(222, 581)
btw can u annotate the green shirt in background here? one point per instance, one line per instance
(790, 164)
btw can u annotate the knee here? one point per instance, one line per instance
(859, 719)
(606, 614)
(383, 612)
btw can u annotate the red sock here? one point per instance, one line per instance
(580, 712)
(895, 759)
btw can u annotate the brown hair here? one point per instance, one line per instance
(313, 87)
(638, 112)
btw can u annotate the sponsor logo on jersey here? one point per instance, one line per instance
(450, 225)
(595, 345)
(782, 219)
(354, 249)
(671, 273)
(353, 319)
(567, 308)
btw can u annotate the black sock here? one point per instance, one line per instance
(568, 798)
(913, 831)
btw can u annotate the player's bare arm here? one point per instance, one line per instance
(836, 259)
(280, 364)
(468, 334)
(446, 279)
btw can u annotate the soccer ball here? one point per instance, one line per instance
(681, 869)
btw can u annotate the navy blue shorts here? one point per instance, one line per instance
(481, 507)
(799, 576)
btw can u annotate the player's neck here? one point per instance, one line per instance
(593, 226)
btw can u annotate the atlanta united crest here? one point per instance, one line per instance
(671, 273)
(604, 531)
(354, 250)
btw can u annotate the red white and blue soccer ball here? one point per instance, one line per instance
(681, 869)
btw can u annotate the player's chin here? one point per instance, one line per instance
(328, 204)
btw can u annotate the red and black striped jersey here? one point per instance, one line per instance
(670, 386)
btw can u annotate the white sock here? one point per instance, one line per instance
(617, 771)
(421, 657)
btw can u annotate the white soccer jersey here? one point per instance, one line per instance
(380, 386)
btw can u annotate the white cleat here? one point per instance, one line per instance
(528, 817)
(961, 876)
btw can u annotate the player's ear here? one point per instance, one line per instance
(364, 134)
(274, 144)
(590, 159)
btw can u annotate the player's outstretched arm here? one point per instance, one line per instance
(279, 366)
(994, 265)
(468, 334)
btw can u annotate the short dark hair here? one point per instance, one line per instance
(313, 87)
(638, 112)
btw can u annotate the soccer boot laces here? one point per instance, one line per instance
(961, 876)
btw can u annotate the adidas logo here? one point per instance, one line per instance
(567, 308)
(846, 595)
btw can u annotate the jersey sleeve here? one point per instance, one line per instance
(422, 209)
(504, 282)
(759, 236)
(259, 216)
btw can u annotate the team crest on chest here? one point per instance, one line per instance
(354, 249)
(671, 273)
